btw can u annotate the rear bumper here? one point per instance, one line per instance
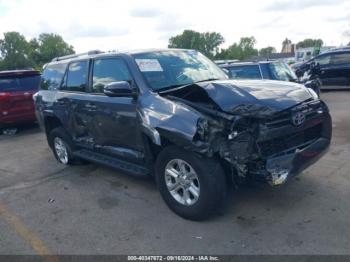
(10, 118)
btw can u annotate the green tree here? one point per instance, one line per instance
(247, 45)
(242, 50)
(49, 46)
(310, 43)
(207, 43)
(17, 53)
(212, 41)
(267, 51)
(33, 53)
(14, 50)
(232, 52)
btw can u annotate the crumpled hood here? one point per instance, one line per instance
(260, 96)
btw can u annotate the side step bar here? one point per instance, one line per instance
(121, 165)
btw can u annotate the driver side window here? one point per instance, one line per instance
(108, 70)
(323, 60)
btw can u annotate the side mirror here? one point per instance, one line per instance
(119, 89)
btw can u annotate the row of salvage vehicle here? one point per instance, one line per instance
(175, 115)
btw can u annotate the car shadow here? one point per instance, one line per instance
(19, 130)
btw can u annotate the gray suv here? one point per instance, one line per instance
(174, 115)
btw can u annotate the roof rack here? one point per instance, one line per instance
(343, 48)
(226, 61)
(92, 52)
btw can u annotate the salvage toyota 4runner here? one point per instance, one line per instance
(174, 114)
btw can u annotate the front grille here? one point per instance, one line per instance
(284, 143)
(310, 110)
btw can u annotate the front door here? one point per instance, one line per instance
(341, 69)
(114, 119)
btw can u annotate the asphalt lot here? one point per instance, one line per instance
(46, 208)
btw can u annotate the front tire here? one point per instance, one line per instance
(194, 187)
(61, 145)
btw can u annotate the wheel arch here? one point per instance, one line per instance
(50, 123)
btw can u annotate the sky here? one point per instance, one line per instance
(138, 24)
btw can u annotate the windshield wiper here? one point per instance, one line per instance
(171, 87)
(205, 80)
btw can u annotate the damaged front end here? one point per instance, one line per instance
(257, 140)
(292, 141)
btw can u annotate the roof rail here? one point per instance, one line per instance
(92, 52)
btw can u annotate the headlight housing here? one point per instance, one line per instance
(202, 128)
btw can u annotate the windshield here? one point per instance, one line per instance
(167, 69)
(281, 71)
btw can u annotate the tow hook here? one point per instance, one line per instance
(278, 176)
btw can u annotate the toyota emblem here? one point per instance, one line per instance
(298, 118)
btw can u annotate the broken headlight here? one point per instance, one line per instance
(202, 128)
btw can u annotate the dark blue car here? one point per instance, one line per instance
(273, 70)
(331, 69)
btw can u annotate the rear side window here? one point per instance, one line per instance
(52, 76)
(341, 58)
(245, 72)
(107, 71)
(76, 78)
(19, 83)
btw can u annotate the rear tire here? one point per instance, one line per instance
(193, 186)
(62, 146)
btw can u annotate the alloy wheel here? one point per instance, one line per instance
(61, 150)
(182, 182)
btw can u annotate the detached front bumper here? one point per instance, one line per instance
(277, 168)
(281, 167)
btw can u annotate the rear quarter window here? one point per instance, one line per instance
(52, 76)
(245, 72)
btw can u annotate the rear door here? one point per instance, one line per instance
(70, 101)
(341, 69)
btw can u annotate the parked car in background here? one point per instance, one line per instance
(173, 114)
(331, 68)
(16, 96)
(273, 70)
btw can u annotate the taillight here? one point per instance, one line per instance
(4, 96)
